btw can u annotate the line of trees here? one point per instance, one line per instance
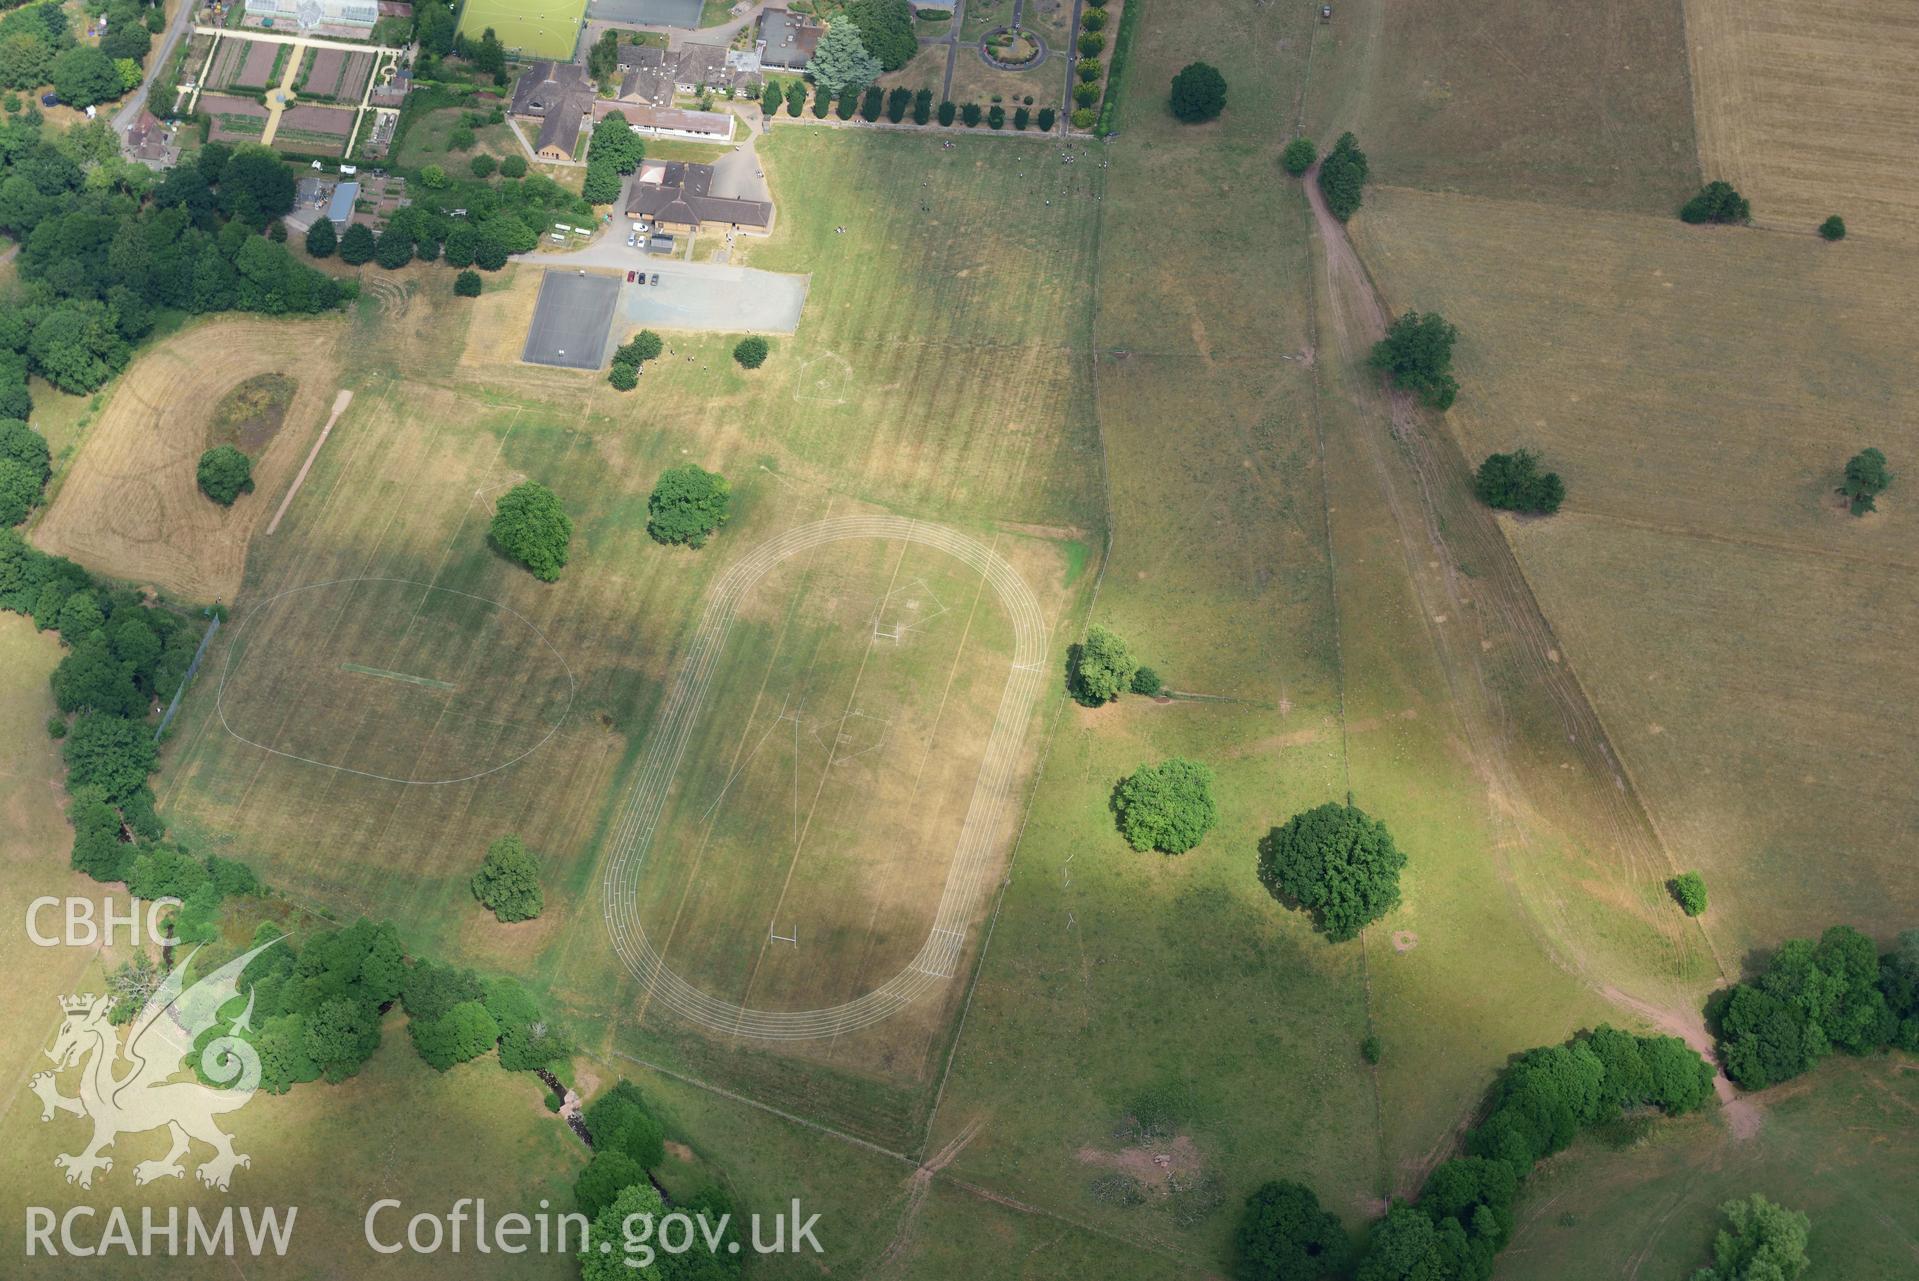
(896, 105)
(1463, 1216)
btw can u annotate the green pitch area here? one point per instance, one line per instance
(544, 28)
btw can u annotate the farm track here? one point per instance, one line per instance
(1426, 481)
(939, 956)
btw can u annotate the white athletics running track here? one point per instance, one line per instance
(939, 956)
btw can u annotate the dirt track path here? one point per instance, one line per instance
(1426, 481)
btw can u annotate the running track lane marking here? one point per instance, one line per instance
(666, 744)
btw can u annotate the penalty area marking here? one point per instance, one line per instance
(240, 635)
(966, 876)
(340, 402)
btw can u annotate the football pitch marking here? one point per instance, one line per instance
(938, 958)
(241, 634)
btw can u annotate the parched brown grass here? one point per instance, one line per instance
(1700, 391)
(131, 508)
(1810, 109)
(1568, 104)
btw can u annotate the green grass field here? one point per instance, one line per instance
(535, 28)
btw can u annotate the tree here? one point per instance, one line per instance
(110, 753)
(1811, 999)
(750, 351)
(531, 527)
(642, 347)
(1099, 668)
(615, 143)
(461, 1035)
(19, 491)
(91, 678)
(1689, 891)
(1407, 1245)
(620, 1120)
(1513, 482)
(1866, 479)
(322, 240)
(1716, 202)
(687, 505)
(1146, 681)
(1342, 177)
(224, 474)
(1337, 862)
(467, 284)
(27, 447)
(513, 167)
(394, 249)
(1046, 118)
(840, 62)
(508, 881)
(1417, 355)
(602, 183)
(482, 165)
(946, 113)
(1284, 1235)
(796, 98)
(1760, 1242)
(357, 245)
(1199, 93)
(608, 1174)
(84, 76)
(897, 102)
(1166, 807)
(341, 1035)
(610, 1253)
(1299, 156)
(886, 31)
(433, 177)
(622, 376)
(1833, 228)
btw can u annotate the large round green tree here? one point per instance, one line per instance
(224, 474)
(1199, 93)
(1166, 807)
(1285, 1235)
(1100, 668)
(530, 526)
(1337, 862)
(687, 505)
(508, 881)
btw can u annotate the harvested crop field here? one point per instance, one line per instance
(131, 507)
(234, 119)
(1700, 390)
(309, 128)
(243, 64)
(1809, 109)
(336, 73)
(1567, 104)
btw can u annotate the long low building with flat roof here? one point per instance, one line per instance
(675, 195)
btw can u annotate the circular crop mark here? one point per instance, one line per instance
(939, 956)
(137, 511)
(390, 679)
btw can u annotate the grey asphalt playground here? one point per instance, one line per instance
(712, 297)
(572, 320)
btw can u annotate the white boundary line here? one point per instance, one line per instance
(972, 855)
(233, 649)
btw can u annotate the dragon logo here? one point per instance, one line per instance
(143, 1098)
